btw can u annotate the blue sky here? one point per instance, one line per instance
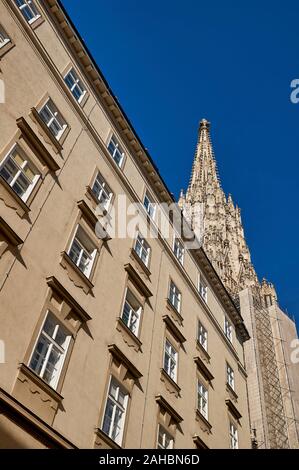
(171, 63)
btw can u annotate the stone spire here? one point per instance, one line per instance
(208, 210)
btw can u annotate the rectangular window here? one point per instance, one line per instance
(19, 173)
(203, 288)
(228, 329)
(28, 9)
(75, 85)
(202, 336)
(149, 205)
(170, 360)
(230, 376)
(53, 119)
(179, 250)
(82, 251)
(233, 435)
(116, 151)
(142, 249)
(174, 296)
(165, 440)
(202, 400)
(50, 350)
(131, 313)
(115, 412)
(4, 38)
(102, 192)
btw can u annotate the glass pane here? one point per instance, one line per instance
(116, 429)
(21, 185)
(52, 366)
(9, 170)
(108, 416)
(39, 354)
(75, 251)
(126, 313)
(60, 337)
(49, 325)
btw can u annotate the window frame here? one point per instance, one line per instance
(78, 82)
(105, 189)
(53, 344)
(126, 394)
(228, 329)
(178, 246)
(137, 312)
(204, 334)
(144, 246)
(118, 149)
(171, 357)
(165, 433)
(27, 4)
(56, 117)
(203, 288)
(202, 399)
(230, 376)
(151, 203)
(82, 249)
(179, 296)
(4, 35)
(27, 162)
(233, 436)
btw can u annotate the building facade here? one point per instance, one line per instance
(106, 341)
(273, 387)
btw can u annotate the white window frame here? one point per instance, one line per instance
(230, 376)
(149, 205)
(203, 288)
(117, 406)
(170, 358)
(228, 329)
(142, 249)
(165, 435)
(31, 6)
(116, 151)
(91, 255)
(56, 118)
(233, 436)
(175, 296)
(179, 250)
(78, 83)
(202, 336)
(133, 313)
(105, 191)
(202, 400)
(52, 345)
(20, 171)
(4, 38)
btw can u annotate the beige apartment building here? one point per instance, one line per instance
(106, 342)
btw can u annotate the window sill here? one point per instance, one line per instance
(176, 314)
(12, 200)
(231, 392)
(204, 423)
(103, 441)
(203, 369)
(75, 274)
(7, 47)
(203, 351)
(128, 336)
(8, 237)
(170, 384)
(37, 22)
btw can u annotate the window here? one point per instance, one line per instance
(116, 151)
(28, 9)
(175, 296)
(149, 205)
(75, 85)
(179, 250)
(233, 435)
(142, 249)
(82, 251)
(230, 376)
(202, 400)
(203, 288)
(4, 39)
(170, 360)
(228, 329)
(115, 412)
(50, 350)
(19, 173)
(165, 440)
(102, 192)
(53, 119)
(202, 336)
(131, 313)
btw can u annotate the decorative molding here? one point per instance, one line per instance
(163, 403)
(234, 411)
(120, 356)
(203, 369)
(36, 145)
(40, 383)
(199, 442)
(141, 267)
(202, 351)
(45, 132)
(10, 235)
(205, 425)
(88, 214)
(231, 392)
(171, 386)
(102, 437)
(128, 336)
(174, 312)
(56, 286)
(12, 200)
(174, 329)
(139, 283)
